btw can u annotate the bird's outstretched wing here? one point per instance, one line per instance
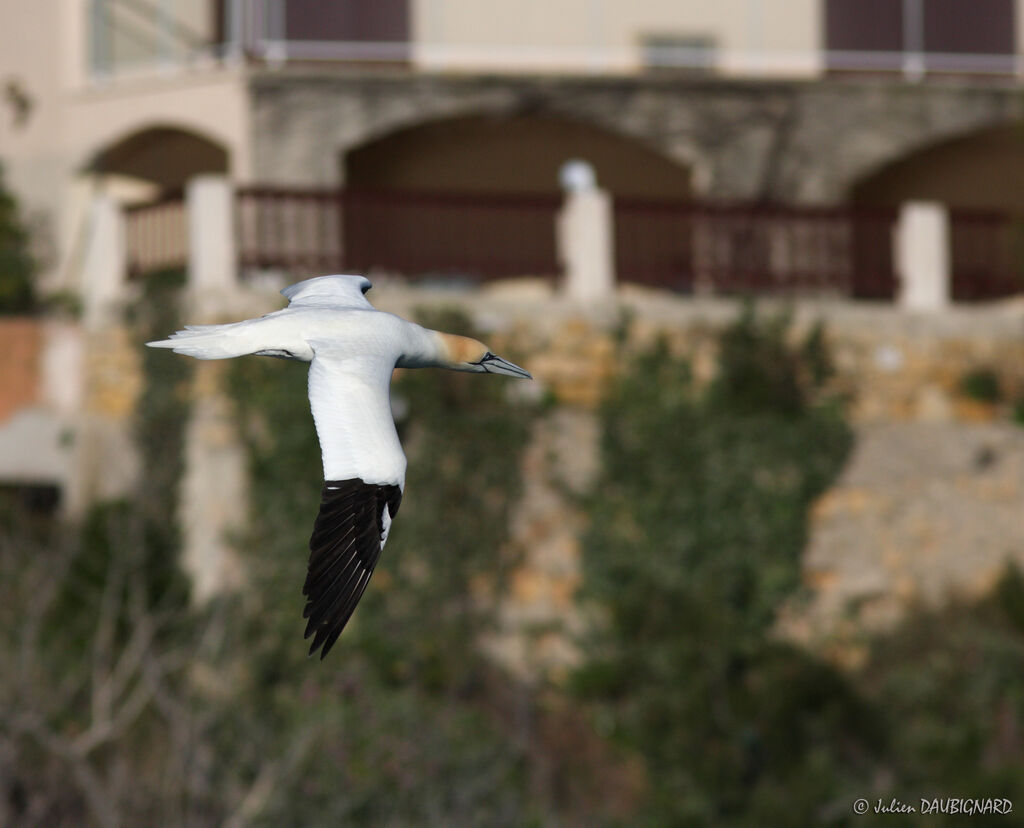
(364, 473)
(347, 541)
(342, 291)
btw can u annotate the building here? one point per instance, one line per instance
(798, 126)
(815, 101)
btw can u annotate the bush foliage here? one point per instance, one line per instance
(123, 704)
(697, 525)
(404, 735)
(696, 530)
(17, 267)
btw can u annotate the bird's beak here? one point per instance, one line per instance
(496, 365)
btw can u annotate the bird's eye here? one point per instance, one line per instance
(485, 358)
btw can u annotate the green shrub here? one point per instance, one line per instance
(951, 683)
(403, 707)
(91, 686)
(981, 384)
(17, 267)
(697, 525)
(1018, 412)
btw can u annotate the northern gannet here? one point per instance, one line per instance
(352, 349)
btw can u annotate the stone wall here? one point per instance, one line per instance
(790, 141)
(928, 508)
(929, 504)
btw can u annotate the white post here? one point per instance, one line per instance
(923, 257)
(105, 264)
(212, 259)
(585, 235)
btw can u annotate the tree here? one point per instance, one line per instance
(17, 267)
(696, 531)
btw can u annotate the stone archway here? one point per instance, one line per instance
(979, 177)
(159, 159)
(510, 153)
(146, 171)
(982, 170)
(479, 193)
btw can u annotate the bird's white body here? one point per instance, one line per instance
(352, 349)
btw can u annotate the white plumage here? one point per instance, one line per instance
(353, 349)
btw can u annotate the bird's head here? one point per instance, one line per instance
(465, 354)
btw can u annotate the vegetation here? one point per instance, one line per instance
(696, 530)
(94, 621)
(17, 267)
(121, 703)
(951, 685)
(981, 384)
(416, 738)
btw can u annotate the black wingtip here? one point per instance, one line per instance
(344, 549)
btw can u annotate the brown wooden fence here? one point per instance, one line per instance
(731, 249)
(680, 245)
(298, 230)
(156, 236)
(473, 236)
(987, 255)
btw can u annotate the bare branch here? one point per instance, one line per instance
(270, 776)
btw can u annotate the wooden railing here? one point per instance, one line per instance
(452, 235)
(297, 230)
(156, 236)
(685, 246)
(988, 255)
(730, 249)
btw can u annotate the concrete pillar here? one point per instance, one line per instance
(212, 255)
(585, 235)
(923, 256)
(214, 495)
(104, 264)
(214, 488)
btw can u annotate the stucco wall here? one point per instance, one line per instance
(589, 35)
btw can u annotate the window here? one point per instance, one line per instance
(918, 36)
(678, 52)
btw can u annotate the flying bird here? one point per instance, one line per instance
(352, 349)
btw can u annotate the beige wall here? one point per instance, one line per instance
(773, 36)
(44, 53)
(213, 104)
(32, 141)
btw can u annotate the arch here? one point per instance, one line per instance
(514, 152)
(161, 155)
(983, 169)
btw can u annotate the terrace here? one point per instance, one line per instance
(583, 242)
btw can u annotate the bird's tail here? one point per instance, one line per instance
(208, 342)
